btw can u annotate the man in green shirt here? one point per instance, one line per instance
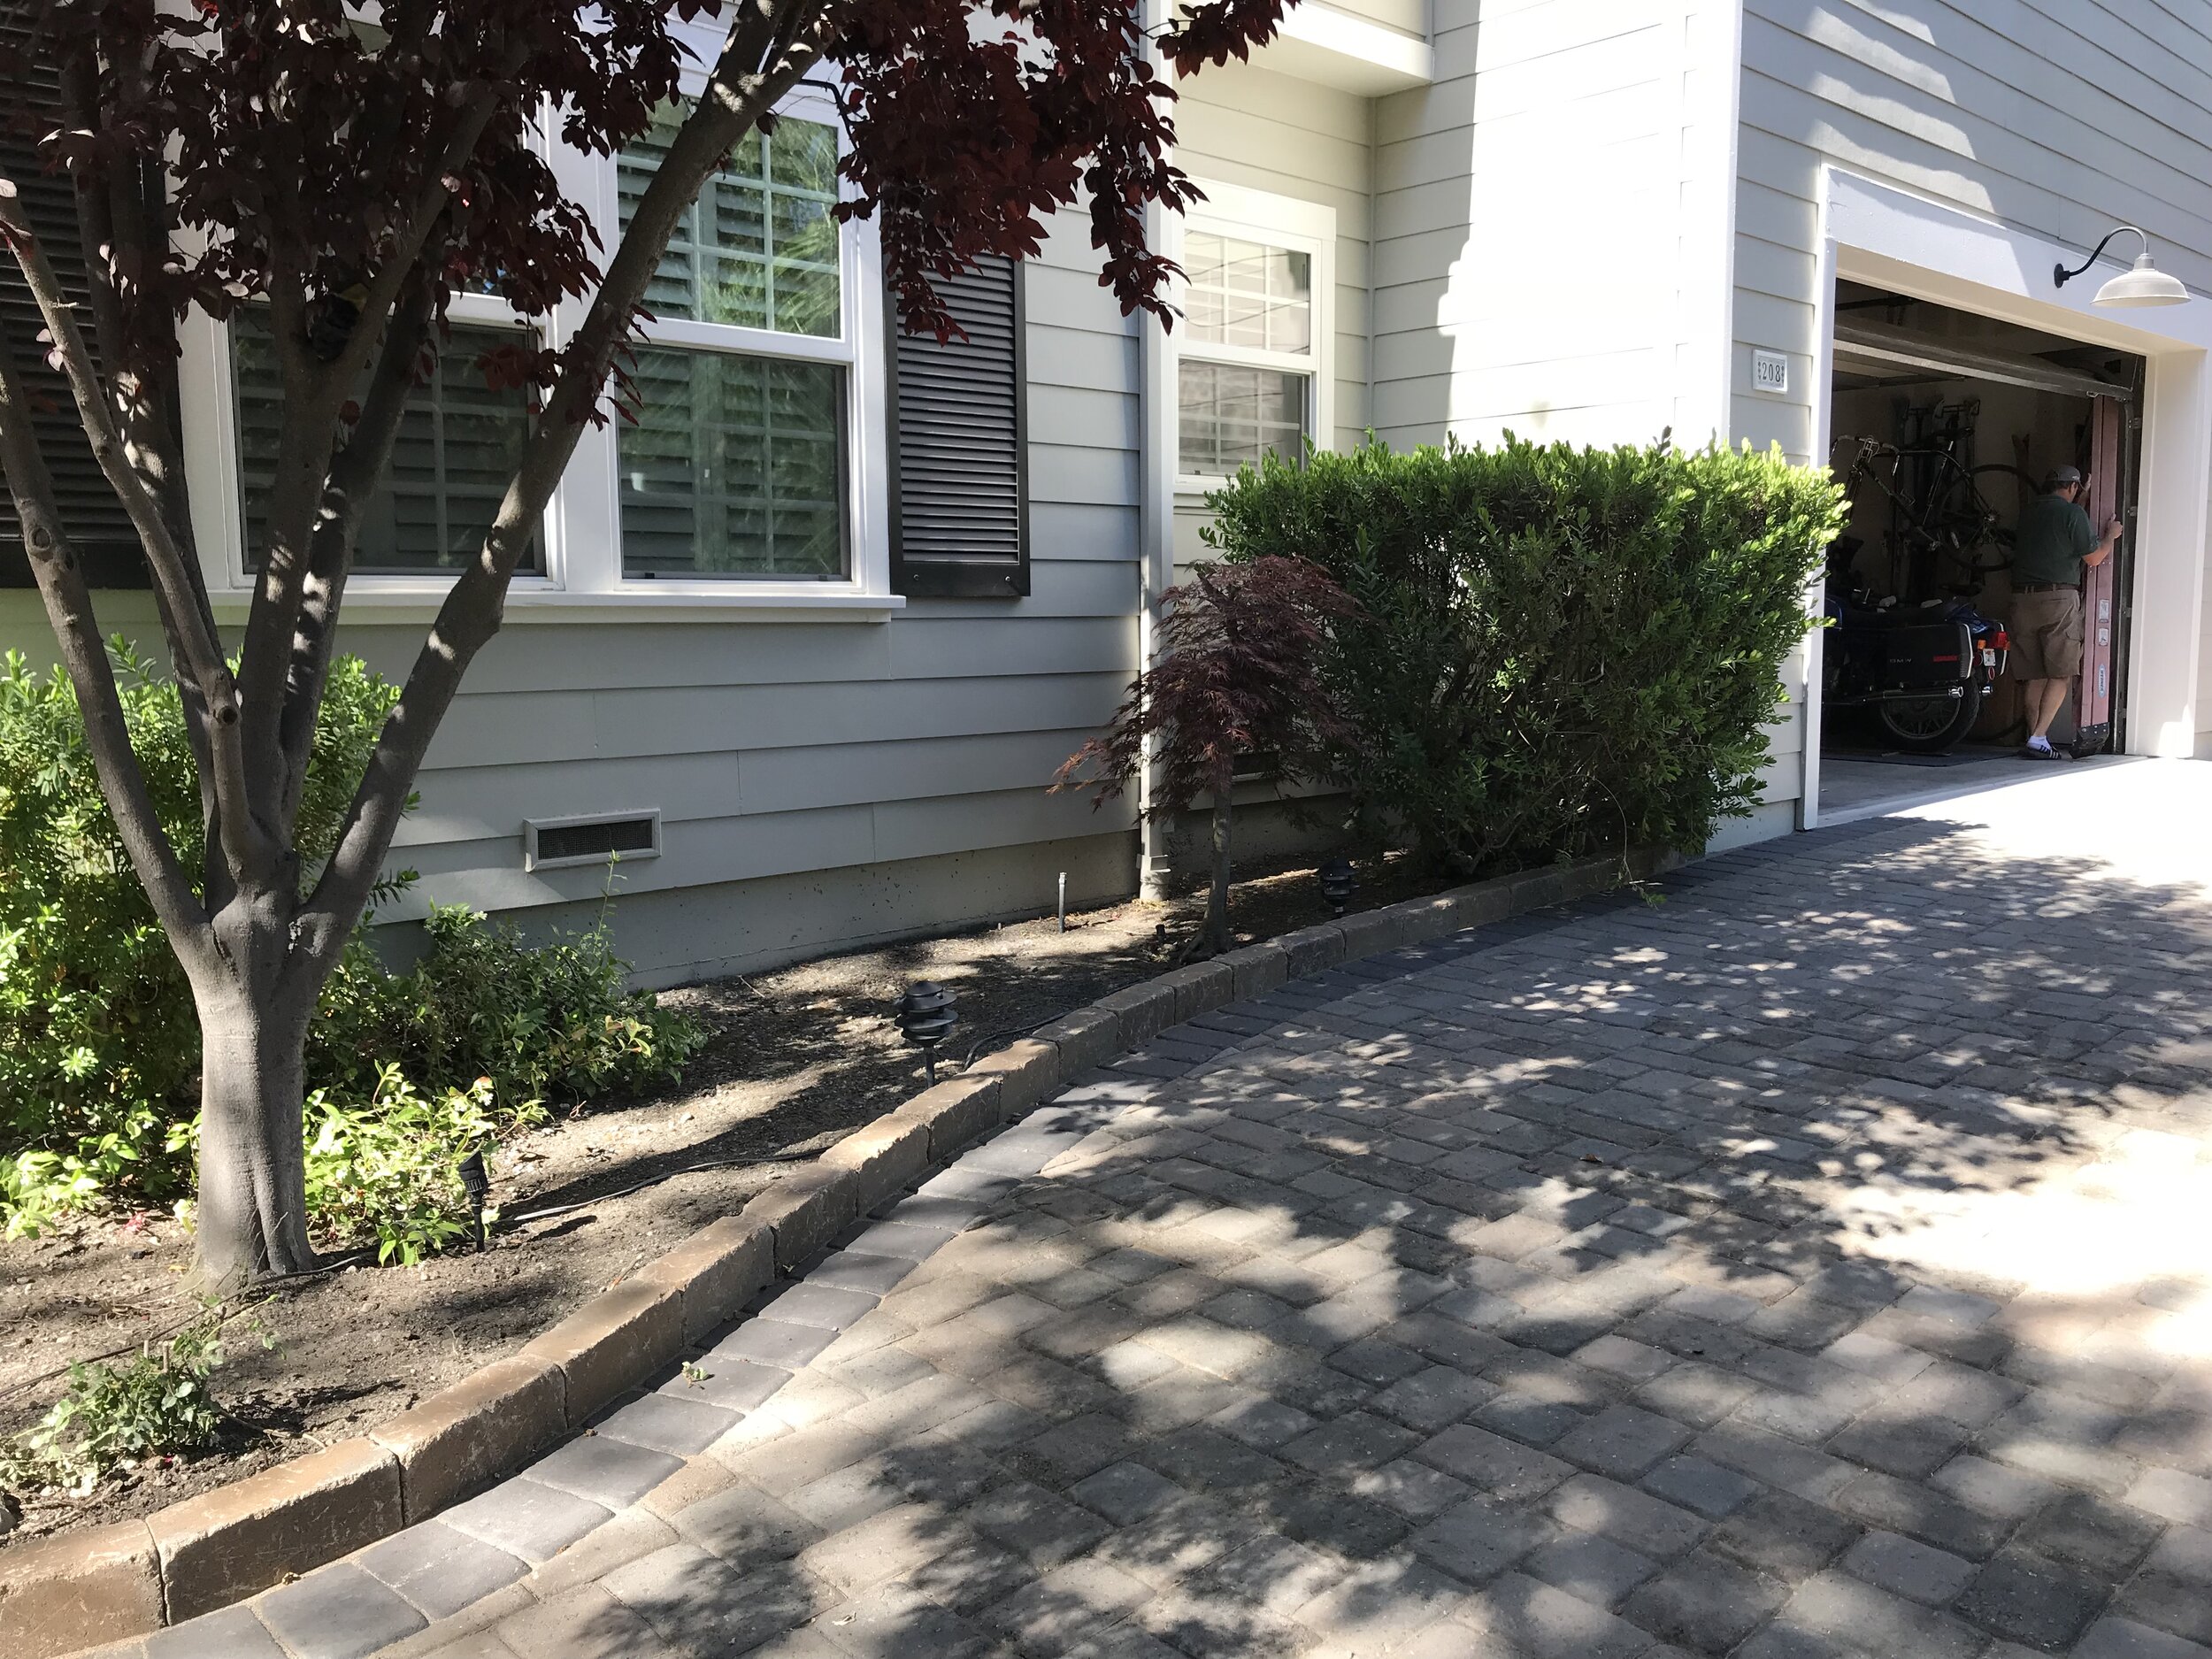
(2053, 544)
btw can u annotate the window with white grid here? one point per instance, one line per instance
(1250, 379)
(734, 467)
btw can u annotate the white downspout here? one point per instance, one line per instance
(1156, 533)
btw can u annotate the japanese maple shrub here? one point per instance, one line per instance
(354, 173)
(1237, 673)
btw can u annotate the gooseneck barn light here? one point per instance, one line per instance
(2144, 285)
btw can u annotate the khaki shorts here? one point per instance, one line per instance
(2046, 630)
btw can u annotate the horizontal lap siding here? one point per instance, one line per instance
(1405, 17)
(773, 749)
(1536, 267)
(2057, 117)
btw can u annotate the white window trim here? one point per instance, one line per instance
(1278, 221)
(580, 540)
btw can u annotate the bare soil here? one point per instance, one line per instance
(796, 1059)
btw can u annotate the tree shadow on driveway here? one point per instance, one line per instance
(1811, 1263)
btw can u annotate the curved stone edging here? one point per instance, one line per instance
(111, 1583)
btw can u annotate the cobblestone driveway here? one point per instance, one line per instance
(1815, 1262)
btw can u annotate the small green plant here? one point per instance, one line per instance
(544, 1022)
(38, 1188)
(158, 1404)
(389, 1172)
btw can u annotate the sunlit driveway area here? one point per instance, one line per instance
(1812, 1256)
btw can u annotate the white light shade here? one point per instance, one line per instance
(2146, 285)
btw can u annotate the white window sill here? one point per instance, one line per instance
(641, 601)
(1192, 492)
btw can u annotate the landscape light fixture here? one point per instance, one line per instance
(2144, 285)
(926, 1017)
(476, 1181)
(1337, 883)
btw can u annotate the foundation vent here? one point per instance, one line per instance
(553, 843)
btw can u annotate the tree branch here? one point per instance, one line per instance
(119, 231)
(243, 841)
(741, 91)
(354, 473)
(61, 584)
(313, 395)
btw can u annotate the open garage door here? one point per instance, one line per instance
(1945, 423)
(2096, 692)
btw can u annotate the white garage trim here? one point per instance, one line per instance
(1889, 239)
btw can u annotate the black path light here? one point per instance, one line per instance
(476, 1181)
(1337, 883)
(926, 1017)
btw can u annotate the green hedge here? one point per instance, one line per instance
(1559, 651)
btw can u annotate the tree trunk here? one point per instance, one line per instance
(252, 1216)
(253, 1193)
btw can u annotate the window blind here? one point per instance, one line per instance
(459, 444)
(93, 519)
(960, 466)
(732, 468)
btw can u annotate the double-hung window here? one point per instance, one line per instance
(747, 467)
(459, 442)
(735, 467)
(1252, 369)
(93, 520)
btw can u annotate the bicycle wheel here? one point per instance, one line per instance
(1964, 527)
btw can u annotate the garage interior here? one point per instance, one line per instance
(1943, 423)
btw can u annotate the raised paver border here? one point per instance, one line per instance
(79, 1590)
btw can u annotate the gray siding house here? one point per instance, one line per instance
(808, 642)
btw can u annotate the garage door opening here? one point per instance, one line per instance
(1945, 425)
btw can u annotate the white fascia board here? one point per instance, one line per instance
(1318, 42)
(1890, 237)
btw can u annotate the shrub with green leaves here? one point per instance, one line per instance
(387, 1172)
(542, 1022)
(157, 1403)
(1557, 651)
(102, 1054)
(99, 1078)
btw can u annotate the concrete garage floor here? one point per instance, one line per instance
(1859, 784)
(1810, 1265)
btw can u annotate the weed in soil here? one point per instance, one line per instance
(160, 1404)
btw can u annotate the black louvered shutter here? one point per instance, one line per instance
(959, 453)
(90, 513)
